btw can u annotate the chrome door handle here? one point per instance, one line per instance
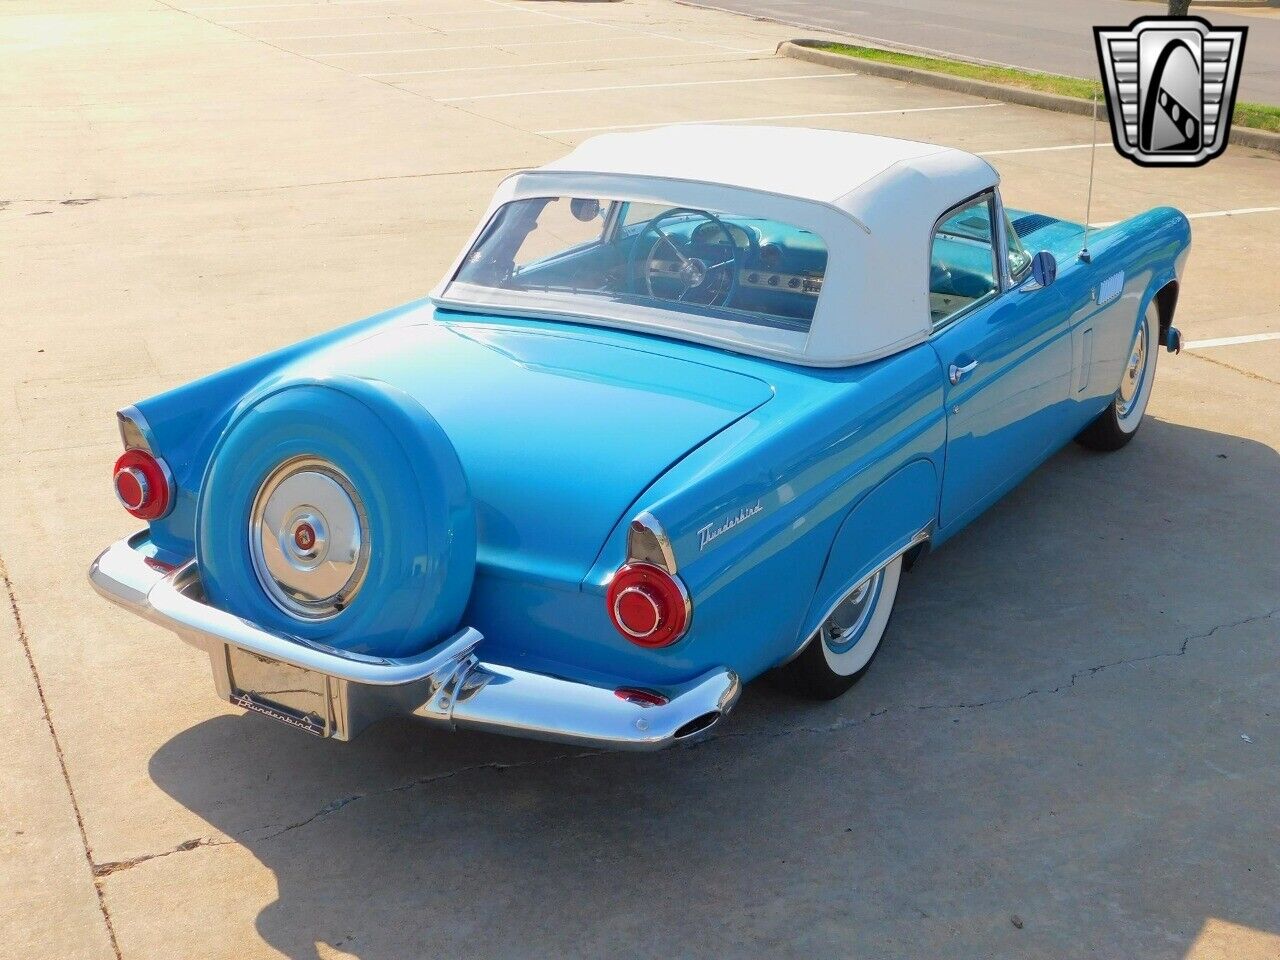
(956, 374)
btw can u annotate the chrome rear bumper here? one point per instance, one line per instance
(337, 693)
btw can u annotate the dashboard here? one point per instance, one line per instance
(793, 264)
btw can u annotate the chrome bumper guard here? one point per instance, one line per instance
(337, 693)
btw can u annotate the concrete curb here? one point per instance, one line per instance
(807, 50)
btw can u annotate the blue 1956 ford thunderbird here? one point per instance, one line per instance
(682, 412)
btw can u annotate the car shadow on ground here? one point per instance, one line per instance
(1044, 761)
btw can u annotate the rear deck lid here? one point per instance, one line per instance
(559, 430)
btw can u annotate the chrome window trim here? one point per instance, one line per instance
(991, 196)
(1000, 230)
(1009, 280)
(612, 221)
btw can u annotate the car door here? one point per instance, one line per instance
(1005, 349)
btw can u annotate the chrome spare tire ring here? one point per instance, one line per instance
(309, 538)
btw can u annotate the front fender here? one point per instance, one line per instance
(884, 523)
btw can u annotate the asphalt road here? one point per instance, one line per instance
(1038, 34)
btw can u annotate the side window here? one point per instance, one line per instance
(962, 268)
(637, 212)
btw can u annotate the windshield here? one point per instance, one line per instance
(699, 262)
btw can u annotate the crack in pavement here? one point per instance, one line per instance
(271, 832)
(844, 723)
(1232, 367)
(114, 866)
(1091, 671)
(62, 760)
(261, 188)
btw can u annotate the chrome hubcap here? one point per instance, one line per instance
(842, 629)
(309, 538)
(1135, 369)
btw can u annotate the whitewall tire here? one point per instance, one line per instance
(841, 650)
(1117, 424)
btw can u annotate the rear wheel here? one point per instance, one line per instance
(1117, 424)
(840, 652)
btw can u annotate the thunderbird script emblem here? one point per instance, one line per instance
(1171, 86)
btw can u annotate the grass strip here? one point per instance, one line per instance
(1260, 116)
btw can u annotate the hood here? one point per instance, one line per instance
(559, 431)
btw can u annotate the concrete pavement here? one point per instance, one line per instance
(1054, 731)
(1033, 34)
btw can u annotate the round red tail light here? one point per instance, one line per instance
(142, 485)
(647, 605)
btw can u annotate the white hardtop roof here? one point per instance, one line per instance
(824, 166)
(872, 200)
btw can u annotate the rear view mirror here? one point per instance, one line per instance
(584, 209)
(1044, 268)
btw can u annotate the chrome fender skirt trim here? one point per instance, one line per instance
(343, 692)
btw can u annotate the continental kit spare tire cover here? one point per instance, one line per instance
(336, 510)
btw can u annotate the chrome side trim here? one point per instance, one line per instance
(647, 542)
(447, 684)
(133, 429)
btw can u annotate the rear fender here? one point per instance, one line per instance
(889, 520)
(183, 425)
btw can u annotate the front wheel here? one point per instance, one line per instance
(841, 650)
(1117, 424)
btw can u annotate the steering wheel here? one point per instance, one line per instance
(683, 269)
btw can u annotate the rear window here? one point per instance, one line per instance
(708, 263)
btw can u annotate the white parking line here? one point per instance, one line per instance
(555, 63)
(789, 116)
(1208, 214)
(272, 6)
(612, 26)
(411, 33)
(375, 33)
(1232, 213)
(1229, 341)
(361, 16)
(1069, 146)
(646, 86)
(468, 46)
(545, 26)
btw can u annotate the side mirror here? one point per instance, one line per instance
(1044, 268)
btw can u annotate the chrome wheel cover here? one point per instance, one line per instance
(309, 538)
(1135, 371)
(847, 622)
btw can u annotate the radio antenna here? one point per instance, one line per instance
(1085, 255)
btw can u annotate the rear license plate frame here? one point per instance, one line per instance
(300, 698)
